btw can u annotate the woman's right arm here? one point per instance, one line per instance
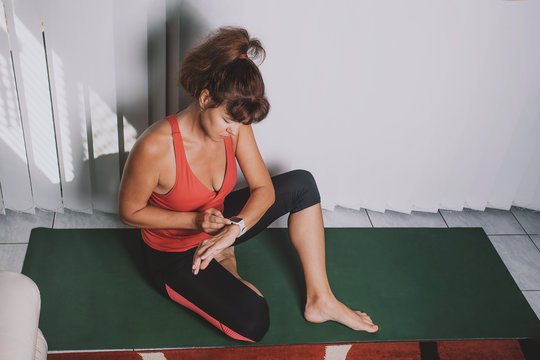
(139, 179)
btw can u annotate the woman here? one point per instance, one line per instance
(177, 185)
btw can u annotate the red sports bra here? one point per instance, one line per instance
(188, 194)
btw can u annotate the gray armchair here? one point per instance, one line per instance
(20, 304)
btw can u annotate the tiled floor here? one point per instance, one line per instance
(515, 234)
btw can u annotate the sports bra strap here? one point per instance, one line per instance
(174, 123)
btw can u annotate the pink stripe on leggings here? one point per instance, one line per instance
(184, 302)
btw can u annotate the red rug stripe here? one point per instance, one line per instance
(448, 350)
(387, 350)
(297, 352)
(480, 350)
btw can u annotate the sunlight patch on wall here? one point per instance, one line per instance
(105, 130)
(63, 117)
(130, 135)
(82, 114)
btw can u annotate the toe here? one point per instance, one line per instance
(374, 328)
(365, 317)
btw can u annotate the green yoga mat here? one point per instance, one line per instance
(415, 283)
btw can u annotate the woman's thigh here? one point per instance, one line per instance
(214, 293)
(294, 191)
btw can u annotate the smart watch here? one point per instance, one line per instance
(240, 222)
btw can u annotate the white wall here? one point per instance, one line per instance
(401, 105)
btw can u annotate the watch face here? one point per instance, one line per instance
(235, 219)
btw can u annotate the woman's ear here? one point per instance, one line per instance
(204, 98)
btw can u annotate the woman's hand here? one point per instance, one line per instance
(211, 247)
(211, 221)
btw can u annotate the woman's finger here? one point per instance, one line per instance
(196, 265)
(203, 249)
(209, 251)
(214, 211)
(218, 218)
(197, 256)
(206, 262)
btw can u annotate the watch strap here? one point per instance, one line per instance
(242, 226)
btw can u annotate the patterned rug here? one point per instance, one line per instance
(526, 349)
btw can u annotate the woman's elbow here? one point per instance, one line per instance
(271, 196)
(125, 215)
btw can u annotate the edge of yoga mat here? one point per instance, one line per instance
(114, 307)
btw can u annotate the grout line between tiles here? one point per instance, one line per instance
(507, 234)
(367, 213)
(534, 244)
(511, 212)
(440, 213)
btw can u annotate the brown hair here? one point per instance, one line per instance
(232, 81)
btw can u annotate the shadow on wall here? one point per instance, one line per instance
(96, 123)
(184, 30)
(168, 41)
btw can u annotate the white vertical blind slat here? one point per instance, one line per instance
(14, 176)
(2, 207)
(65, 29)
(131, 68)
(35, 105)
(102, 90)
(157, 59)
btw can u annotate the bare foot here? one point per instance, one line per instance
(322, 310)
(227, 259)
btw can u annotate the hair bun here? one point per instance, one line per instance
(218, 65)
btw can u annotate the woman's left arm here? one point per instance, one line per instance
(261, 197)
(262, 194)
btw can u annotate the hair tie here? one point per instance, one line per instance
(243, 56)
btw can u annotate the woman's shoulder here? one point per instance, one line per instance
(155, 140)
(244, 132)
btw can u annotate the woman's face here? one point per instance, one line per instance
(218, 124)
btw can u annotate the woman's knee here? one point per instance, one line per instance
(256, 320)
(301, 185)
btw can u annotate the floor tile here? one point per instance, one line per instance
(76, 220)
(280, 222)
(415, 219)
(494, 221)
(12, 256)
(521, 257)
(529, 219)
(533, 297)
(536, 240)
(339, 217)
(16, 226)
(345, 217)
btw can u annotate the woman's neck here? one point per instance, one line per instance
(190, 122)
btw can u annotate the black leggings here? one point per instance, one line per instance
(216, 294)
